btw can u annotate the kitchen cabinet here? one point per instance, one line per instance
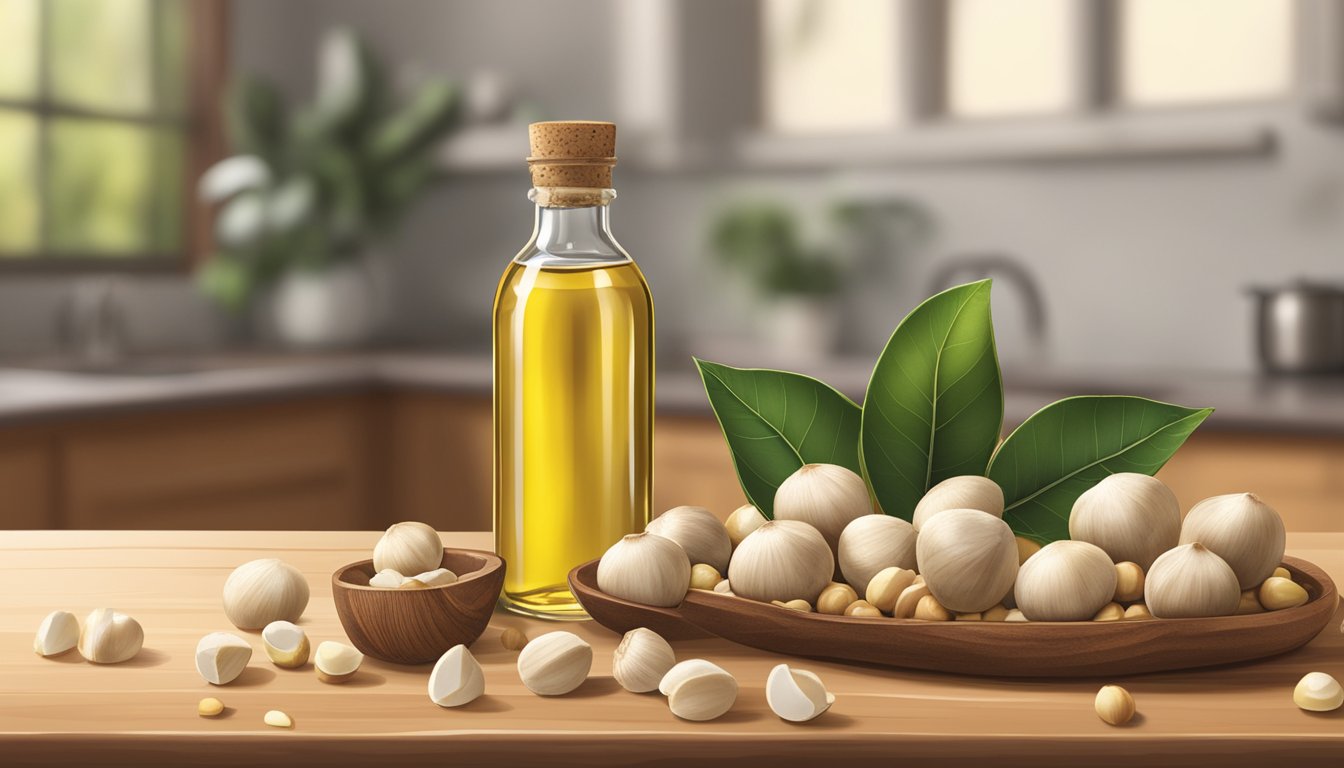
(292, 465)
(28, 478)
(437, 465)
(370, 456)
(1301, 476)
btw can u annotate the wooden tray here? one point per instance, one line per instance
(1036, 649)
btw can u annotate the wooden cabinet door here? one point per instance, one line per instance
(438, 460)
(692, 465)
(28, 478)
(1301, 476)
(291, 465)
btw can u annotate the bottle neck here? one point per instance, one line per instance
(574, 234)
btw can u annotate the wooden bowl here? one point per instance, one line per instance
(1034, 649)
(415, 626)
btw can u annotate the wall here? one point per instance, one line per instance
(1143, 263)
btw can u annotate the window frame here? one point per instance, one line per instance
(203, 139)
(1097, 125)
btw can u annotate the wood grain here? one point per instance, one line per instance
(63, 711)
(1036, 649)
(417, 626)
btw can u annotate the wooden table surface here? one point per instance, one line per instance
(66, 711)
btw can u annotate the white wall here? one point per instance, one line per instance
(1143, 263)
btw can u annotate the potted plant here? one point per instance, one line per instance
(315, 189)
(797, 281)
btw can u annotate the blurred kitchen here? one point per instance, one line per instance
(248, 249)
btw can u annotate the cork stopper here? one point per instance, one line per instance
(572, 153)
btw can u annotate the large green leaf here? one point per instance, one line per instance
(775, 422)
(935, 402)
(1070, 445)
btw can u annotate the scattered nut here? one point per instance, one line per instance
(277, 719)
(1136, 612)
(1278, 593)
(286, 644)
(58, 633)
(221, 657)
(698, 690)
(1128, 582)
(862, 608)
(886, 586)
(909, 599)
(1318, 692)
(1025, 549)
(835, 598)
(929, 609)
(994, 613)
(386, 579)
(555, 663)
(513, 639)
(1250, 603)
(704, 576)
(1114, 705)
(1110, 612)
(109, 637)
(457, 678)
(209, 707)
(800, 605)
(1282, 573)
(796, 695)
(641, 660)
(336, 662)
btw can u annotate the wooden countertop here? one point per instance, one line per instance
(65, 711)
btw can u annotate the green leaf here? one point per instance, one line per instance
(1070, 445)
(934, 406)
(416, 127)
(775, 422)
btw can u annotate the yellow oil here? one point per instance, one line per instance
(573, 423)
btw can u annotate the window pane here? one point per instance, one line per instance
(1009, 57)
(1204, 50)
(18, 49)
(830, 65)
(18, 183)
(173, 65)
(99, 55)
(104, 195)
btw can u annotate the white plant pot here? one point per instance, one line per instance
(338, 307)
(800, 330)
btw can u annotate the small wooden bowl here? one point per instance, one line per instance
(416, 626)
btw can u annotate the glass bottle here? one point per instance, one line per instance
(574, 377)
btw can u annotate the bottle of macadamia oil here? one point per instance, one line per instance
(574, 371)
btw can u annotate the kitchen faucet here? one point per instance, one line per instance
(91, 323)
(977, 266)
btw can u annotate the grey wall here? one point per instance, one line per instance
(1142, 262)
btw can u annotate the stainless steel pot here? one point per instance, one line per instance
(1300, 327)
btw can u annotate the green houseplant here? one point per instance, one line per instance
(314, 189)
(797, 279)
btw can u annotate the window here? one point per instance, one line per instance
(106, 117)
(865, 66)
(829, 65)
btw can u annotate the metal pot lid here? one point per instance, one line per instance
(1300, 286)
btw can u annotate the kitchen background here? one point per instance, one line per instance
(794, 176)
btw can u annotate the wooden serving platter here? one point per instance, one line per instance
(1034, 649)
